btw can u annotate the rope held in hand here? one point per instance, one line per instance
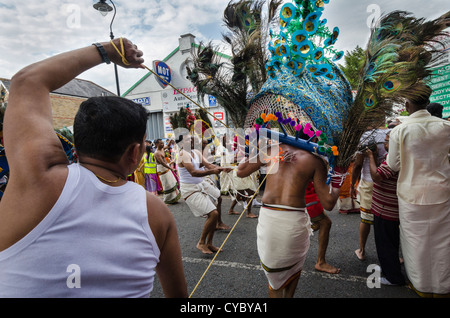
(124, 61)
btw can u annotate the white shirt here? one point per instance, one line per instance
(94, 242)
(418, 149)
(185, 175)
(378, 136)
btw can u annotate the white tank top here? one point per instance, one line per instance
(94, 242)
(185, 176)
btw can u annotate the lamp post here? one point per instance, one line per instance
(104, 9)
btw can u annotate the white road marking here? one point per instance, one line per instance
(340, 276)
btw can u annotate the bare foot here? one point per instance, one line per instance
(361, 255)
(204, 248)
(251, 215)
(214, 249)
(327, 268)
(222, 226)
(232, 212)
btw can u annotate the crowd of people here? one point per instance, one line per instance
(372, 192)
(89, 216)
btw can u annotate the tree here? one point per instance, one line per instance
(354, 61)
(231, 83)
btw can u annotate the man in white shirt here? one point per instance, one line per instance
(418, 149)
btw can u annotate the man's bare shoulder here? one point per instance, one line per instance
(297, 155)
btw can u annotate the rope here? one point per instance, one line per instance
(231, 231)
(124, 60)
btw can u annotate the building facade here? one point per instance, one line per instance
(162, 100)
(65, 100)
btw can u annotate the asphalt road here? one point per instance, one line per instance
(236, 273)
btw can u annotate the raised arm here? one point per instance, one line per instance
(37, 162)
(376, 177)
(28, 129)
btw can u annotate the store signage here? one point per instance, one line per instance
(218, 116)
(144, 101)
(440, 81)
(164, 73)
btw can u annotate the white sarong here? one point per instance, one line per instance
(201, 197)
(169, 183)
(283, 242)
(425, 242)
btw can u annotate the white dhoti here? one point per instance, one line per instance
(226, 178)
(202, 198)
(425, 242)
(365, 189)
(169, 183)
(244, 183)
(283, 242)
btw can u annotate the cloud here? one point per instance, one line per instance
(35, 29)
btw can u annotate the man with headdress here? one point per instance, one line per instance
(307, 92)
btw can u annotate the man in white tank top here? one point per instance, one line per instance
(81, 230)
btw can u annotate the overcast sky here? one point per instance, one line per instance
(35, 29)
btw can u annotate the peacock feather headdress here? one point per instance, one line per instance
(306, 91)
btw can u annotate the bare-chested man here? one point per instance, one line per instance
(284, 227)
(169, 183)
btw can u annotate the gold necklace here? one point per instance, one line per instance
(106, 180)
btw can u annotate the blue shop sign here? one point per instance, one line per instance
(164, 72)
(144, 101)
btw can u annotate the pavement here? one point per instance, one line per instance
(236, 274)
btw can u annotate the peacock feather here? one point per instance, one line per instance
(304, 41)
(305, 90)
(399, 53)
(308, 92)
(233, 81)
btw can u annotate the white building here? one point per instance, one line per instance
(161, 100)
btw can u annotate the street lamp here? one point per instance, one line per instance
(104, 9)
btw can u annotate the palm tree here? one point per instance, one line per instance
(233, 82)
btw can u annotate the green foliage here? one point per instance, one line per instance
(354, 61)
(231, 82)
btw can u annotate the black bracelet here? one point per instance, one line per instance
(102, 52)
